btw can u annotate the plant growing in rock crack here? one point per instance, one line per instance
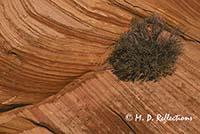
(147, 52)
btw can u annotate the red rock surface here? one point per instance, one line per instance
(47, 46)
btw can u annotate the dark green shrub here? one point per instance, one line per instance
(146, 52)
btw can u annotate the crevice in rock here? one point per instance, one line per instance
(9, 107)
(45, 126)
(132, 130)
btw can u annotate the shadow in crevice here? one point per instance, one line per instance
(9, 107)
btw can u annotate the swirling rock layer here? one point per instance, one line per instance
(46, 44)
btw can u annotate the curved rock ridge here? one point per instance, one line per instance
(99, 102)
(46, 44)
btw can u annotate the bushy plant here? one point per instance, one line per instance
(147, 51)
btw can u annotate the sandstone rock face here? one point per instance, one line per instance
(46, 44)
(49, 45)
